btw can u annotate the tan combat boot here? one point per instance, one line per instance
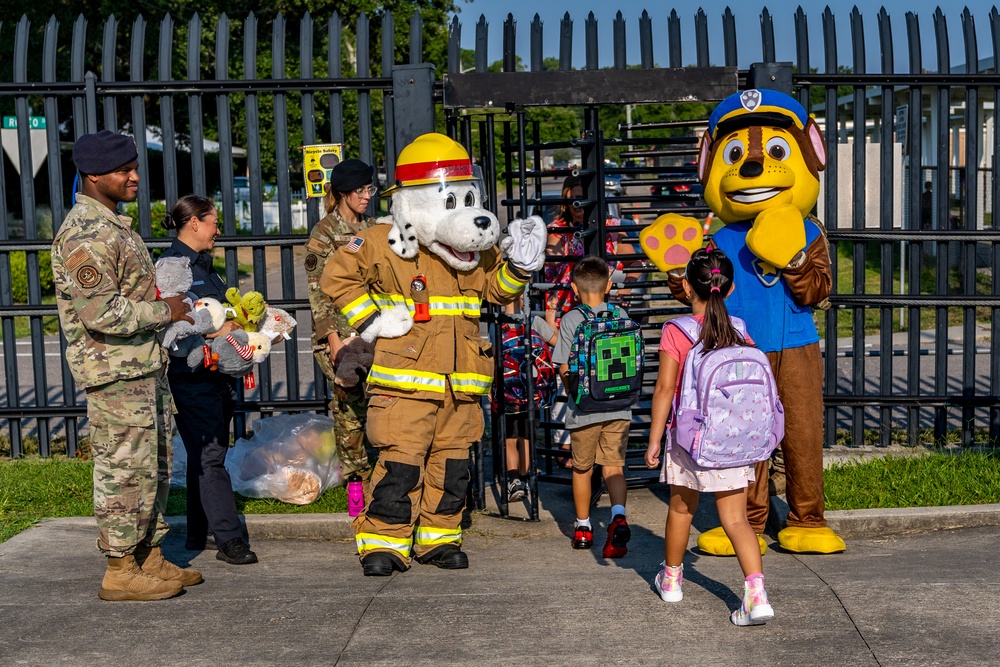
(125, 580)
(151, 560)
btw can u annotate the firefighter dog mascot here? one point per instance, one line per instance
(414, 287)
(759, 163)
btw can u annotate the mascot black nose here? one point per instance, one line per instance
(482, 222)
(751, 169)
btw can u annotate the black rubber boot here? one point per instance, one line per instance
(447, 557)
(381, 564)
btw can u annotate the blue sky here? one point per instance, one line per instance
(747, 21)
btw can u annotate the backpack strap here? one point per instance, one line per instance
(689, 325)
(739, 325)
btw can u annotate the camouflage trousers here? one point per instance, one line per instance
(130, 428)
(349, 410)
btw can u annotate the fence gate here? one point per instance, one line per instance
(656, 175)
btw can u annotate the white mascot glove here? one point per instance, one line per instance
(524, 245)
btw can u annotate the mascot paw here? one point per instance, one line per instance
(670, 241)
(810, 540)
(777, 235)
(716, 543)
(524, 245)
(389, 323)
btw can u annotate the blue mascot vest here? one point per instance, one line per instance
(763, 300)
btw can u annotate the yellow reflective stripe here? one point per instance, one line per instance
(372, 541)
(509, 283)
(392, 300)
(471, 383)
(468, 306)
(406, 379)
(427, 537)
(359, 309)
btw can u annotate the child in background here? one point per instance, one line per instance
(707, 283)
(595, 437)
(516, 418)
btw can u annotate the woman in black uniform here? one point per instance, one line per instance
(205, 399)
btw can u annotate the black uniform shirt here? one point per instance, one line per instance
(204, 282)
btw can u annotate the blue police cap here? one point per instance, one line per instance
(756, 107)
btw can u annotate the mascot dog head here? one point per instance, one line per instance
(761, 150)
(437, 203)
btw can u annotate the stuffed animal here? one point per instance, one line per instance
(247, 309)
(173, 277)
(414, 288)
(277, 323)
(215, 310)
(354, 362)
(232, 354)
(759, 163)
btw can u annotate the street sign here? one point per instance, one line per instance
(34, 122)
(899, 125)
(39, 147)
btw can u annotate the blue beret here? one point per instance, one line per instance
(351, 175)
(756, 107)
(103, 152)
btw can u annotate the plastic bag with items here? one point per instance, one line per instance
(289, 457)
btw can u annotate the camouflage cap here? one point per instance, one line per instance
(103, 152)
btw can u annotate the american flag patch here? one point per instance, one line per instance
(355, 244)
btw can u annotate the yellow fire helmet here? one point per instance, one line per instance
(431, 158)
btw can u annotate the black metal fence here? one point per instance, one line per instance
(911, 345)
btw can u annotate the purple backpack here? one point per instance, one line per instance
(727, 413)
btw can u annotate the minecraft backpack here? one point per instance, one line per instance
(606, 361)
(517, 366)
(727, 412)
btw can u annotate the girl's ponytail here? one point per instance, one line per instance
(710, 274)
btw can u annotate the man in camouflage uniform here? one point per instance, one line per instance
(109, 313)
(348, 198)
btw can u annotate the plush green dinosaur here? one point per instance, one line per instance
(248, 310)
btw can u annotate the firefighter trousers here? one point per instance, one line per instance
(419, 485)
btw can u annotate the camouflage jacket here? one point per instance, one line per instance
(106, 295)
(330, 233)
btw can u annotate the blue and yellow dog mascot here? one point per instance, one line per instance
(759, 163)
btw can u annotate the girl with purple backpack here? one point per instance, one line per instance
(707, 283)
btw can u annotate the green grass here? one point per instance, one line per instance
(937, 479)
(873, 280)
(32, 489)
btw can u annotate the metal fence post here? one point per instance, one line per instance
(413, 102)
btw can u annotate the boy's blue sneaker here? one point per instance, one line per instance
(583, 537)
(618, 536)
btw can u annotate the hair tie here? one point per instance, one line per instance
(715, 288)
(714, 271)
(708, 250)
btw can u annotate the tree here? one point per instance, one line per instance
(435, 15)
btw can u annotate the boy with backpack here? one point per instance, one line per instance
(720, 397)
(599, 353)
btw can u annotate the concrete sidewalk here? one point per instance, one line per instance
(930, 598)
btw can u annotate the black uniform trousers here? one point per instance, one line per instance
(206, 401)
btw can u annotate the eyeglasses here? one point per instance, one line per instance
(369, 190)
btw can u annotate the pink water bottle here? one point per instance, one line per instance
(355, 495)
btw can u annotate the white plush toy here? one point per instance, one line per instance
(277, 323)
(173, 277)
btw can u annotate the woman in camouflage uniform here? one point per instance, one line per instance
(351, 189)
